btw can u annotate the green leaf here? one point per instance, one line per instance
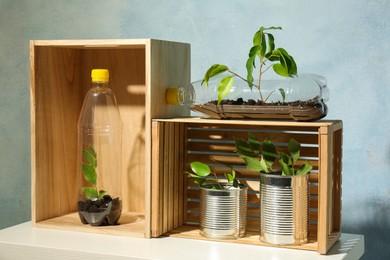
(271, 42)
(260, 39)
(263, 48)
(283, 94)
(199, 181)
(229, 177)
(213, 71)
(225, 87)
(200, 169)
(287, 160)
(254, 51)
(235, 183)
(257, 37)
(92, 151)
(252, 163)
(291, 66)
(286, 163)
(254, 142)
(102, 193)
(280, 70)
(89, 173)
(258, 34)
(214, 187)
(90, 192)
(260, 43)
(273, 56)
(245, 148)
(249, 71)
(294, 147)
(264, 165)
(304, 169)
(287, 62)
(250, 64)
(90, 158)
(269, 151)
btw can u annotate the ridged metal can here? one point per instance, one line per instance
(223, 212)
(284, 209)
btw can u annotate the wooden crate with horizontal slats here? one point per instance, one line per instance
(175, 198)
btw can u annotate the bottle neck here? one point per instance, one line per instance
(180, 96)
(100, 84)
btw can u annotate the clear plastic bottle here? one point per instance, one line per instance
(99, 153)
(304, 98)
(181, 96)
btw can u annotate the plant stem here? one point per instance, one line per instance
(266, 69)
(259, 86)
(216, 180)
(235, 74)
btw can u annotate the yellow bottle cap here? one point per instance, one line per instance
(100, 75)
(172, 96)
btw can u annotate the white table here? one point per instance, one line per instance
(26, 242)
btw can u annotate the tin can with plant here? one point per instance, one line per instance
(284, 189)
(222, 205)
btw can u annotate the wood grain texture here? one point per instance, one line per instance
(59, 80)
(130, 224)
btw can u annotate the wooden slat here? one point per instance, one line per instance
(313, 190)
(276, 137)
(214, 147)
(166, 178)
(156, 219)
(325, 177)
(336, 185)
(252, 124)
(233, 160)
(177, 173)
(313, 203)
(181, 183)
(171, 175)
(184, 163)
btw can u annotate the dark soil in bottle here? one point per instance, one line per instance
(103, 212)
(251, 102)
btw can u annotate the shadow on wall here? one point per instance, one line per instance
(376, 229)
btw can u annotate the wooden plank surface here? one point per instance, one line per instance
(251, 238)
(130, 224)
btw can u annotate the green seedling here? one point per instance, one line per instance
(261, 157)
(268, 56)
(89, 166)
(203, 176)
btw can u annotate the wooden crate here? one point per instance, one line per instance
(140, 72)
(177, 142)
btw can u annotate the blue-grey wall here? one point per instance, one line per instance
(346, 41)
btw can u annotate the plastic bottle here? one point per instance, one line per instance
(310, 88)
(100, 131)
(181, 96)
